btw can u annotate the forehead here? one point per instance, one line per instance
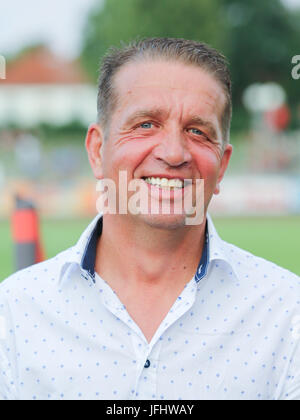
(170, 84)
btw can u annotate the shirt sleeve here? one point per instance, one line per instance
(8, 388)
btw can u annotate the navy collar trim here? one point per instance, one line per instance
(203, 265)
(89, 255)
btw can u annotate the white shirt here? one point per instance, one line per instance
(233, 333)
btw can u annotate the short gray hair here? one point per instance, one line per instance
(176, 49)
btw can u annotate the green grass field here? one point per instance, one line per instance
(276, 239)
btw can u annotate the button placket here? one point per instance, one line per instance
(147, 381)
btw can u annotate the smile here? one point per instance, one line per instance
(164, 182)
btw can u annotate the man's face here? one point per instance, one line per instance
(166, 124)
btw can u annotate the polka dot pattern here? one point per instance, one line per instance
(233, 335)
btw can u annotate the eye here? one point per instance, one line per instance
(196, 131)
(146, 125)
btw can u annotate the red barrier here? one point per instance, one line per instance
(26, 235)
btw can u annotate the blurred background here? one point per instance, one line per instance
(48, 98)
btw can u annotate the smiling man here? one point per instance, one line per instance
(146, 305)
(166, 124)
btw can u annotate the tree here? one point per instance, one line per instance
(259, 37)
(124, 20)
(263, 37)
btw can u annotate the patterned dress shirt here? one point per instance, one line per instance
(232, 334)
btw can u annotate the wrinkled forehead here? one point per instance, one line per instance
(174, 84)
(162, 72)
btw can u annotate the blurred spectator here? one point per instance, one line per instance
(28, 155)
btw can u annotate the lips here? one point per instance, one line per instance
(171, 189)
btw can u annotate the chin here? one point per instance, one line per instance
(163, 221)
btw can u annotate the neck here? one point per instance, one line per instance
(141, 254)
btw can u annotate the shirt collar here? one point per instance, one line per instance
(80, 255)
(84, 252)
(219, 249)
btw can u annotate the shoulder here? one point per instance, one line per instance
(45, 274)
(49, 272)
(250, 267)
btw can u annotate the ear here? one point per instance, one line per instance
(224, 164)
(94, 145)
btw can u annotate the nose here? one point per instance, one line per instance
(173, 149)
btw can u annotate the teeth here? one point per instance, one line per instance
(164, 182)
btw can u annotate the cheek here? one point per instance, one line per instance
(208, 164)
(127, 155)
(206, 156)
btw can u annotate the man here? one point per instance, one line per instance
(146, 305)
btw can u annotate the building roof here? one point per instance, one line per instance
(41, 66)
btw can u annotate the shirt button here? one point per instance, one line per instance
(147, 364)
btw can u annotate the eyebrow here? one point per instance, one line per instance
(204, 123)
(160, 113)
(156, 113)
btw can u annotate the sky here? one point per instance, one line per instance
(292, 3)
(57, 23)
